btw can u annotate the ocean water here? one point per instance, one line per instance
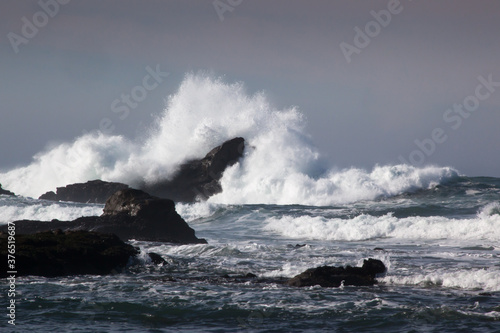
(436, 230)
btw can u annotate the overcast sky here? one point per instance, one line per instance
(380, 82)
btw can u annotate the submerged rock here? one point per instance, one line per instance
(328, 276)
(129, 214)
(199, 179)
(61, 253)
(157, 259)
(94, 191)
(5, 192)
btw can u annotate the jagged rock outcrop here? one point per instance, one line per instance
(58, 253)
(196, 179)
(199, 179)
(94, 191)
(5, 192)
(328, 276)
(129, 214)
(149, 218)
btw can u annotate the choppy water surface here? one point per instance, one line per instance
(441, 246)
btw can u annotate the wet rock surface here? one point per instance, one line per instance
(199, 179)
(58, 253)
(94, 191)
(129, 214)
(329, 276)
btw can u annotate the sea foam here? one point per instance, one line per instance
(470, 279)
(281, 165)
(13, 210)
(364, 227)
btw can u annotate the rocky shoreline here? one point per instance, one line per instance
(129, 214)
(97, 244)
(60, 253)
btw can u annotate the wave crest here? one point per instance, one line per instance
(281, 165)
(253, 182)
(366, 227)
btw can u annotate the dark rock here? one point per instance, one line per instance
(199, 179)
(234, 278)
(5, 192)
(94, 191)
(137, 203)
(196, 179)
(61, 253)
(156, 259)
(239, 276)
(129, 214)
(328, 276)
(147, 217)
(51, 195)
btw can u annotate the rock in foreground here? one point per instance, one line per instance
(61, 253)
(129, 214)
(134, 214)
(199, 179)
(328, 276)
(94, 191)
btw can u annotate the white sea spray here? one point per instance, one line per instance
(281, 165)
